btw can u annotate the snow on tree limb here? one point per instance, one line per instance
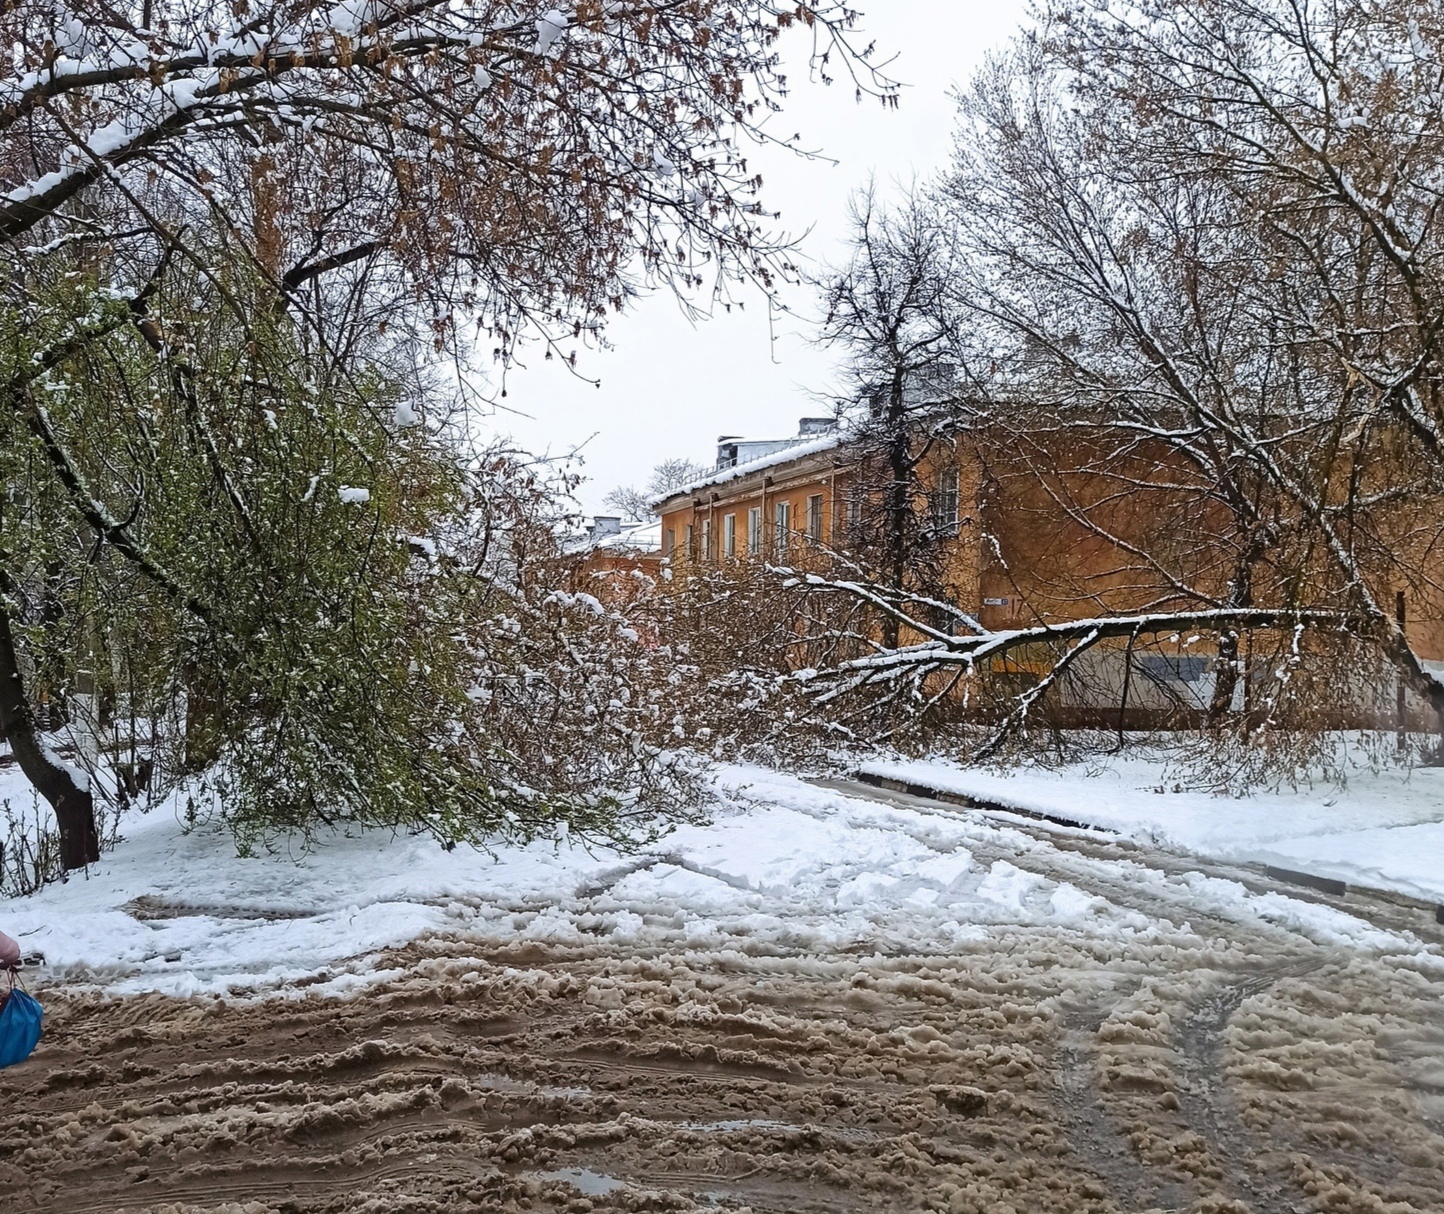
(514, 182)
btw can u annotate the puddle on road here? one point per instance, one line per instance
(493, 1082)
(584, 1180)
(765, 1123)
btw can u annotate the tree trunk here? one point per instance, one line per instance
(1225, 677)
(899, 494)
(1415, 677)
(67, 791)
(1227, 666)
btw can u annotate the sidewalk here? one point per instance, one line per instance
(1384, 831)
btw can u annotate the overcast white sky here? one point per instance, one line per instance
(669, 388)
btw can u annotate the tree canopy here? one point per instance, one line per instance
(238, 243)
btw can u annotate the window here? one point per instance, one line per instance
(754, 531)
(669, 542)
(707, 552)
(729, 535)
(945, 503)
(691, 543)
(854, 514)
(814, 518)
(781, 528)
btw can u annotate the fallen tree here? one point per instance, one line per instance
(238, 246)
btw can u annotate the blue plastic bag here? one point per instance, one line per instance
(19, 1028)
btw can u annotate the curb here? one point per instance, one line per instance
(967, 802)
(1325, 885)
(1286, 876)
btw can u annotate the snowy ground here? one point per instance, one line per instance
(784, 864)
(1383, 830)
(822, 1003)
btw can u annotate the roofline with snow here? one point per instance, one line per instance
(798, 451)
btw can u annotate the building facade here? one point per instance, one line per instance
(1010, 544)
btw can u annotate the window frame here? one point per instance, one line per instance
(853, 519)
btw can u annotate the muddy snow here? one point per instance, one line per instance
(820, 1003)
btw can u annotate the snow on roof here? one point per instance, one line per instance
(643, 537)
(798, 450)
(631, 537)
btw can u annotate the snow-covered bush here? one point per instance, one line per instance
(205, 590)
(215, 218)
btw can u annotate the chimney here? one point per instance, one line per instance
(814, 427)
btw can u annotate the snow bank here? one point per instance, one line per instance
(1406, 859)
(784, 866)
(786, 871)
(1385, 830)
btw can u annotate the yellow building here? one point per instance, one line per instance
(774, 498)
(1008, 544)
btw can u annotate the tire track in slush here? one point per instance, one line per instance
(1261, 1171)
(1253, 1171)
(1094, 1134)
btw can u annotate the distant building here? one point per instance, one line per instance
(1016, 538)
(611, 544)
(774, 498)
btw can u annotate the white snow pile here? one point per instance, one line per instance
(1384, 830)
(550, 26)
(785, 870)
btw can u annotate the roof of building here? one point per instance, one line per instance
(799, 449)
(610, 534)
(634, 537)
